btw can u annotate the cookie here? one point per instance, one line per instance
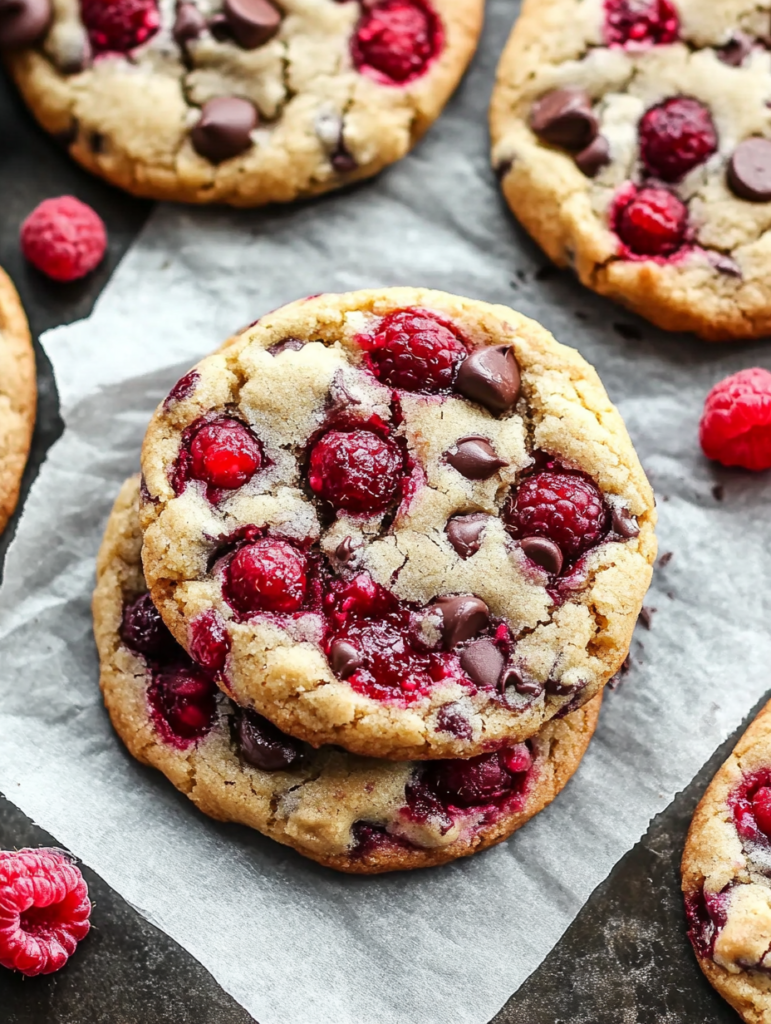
(238, 101)
(727, 876)
(351, 813)
(632, 139)
(18, 396)
(400, 521)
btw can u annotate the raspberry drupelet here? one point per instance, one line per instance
(396, 40)
(415, 351)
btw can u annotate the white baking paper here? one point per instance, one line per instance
(294, 943)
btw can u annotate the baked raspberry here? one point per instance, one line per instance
(184, 387)
(676, 136)
(396, 40)
(143, 631)
(44, 910)
(183, 702)
(63, 238)
(117, 26)
(564, 506)
(267, 576)
(652, 222)
(706, 914)
(415, 351)
(225, 454)
(478, 780)
(640, 22)
(209, 640)
(735, 426)
(761, 808)
(356, 471)
(753, 794)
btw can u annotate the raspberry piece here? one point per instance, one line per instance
(225, 453)
(44, 910)
(479, 780)
(387, 663)
(209, 641)
(117, 26)
(652, 223)
(676, 136)
(735, 426)
(638, 23)
(761, 807)
(396, 40)
(566, 507)
(415, 351)
(356, 471)
(63, 238)
(183, 702)
(267, 576)
(143, 630)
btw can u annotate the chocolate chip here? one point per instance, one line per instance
(556, 688)
(736, 50)
(23, 22)
(189, 23)
(474, 457)
(503, 167)
(591, 160)
(749, 170)
(543, 552)
(623, 522)
(462, 618)
(287, 345)
(67, 135)
(348, 550)
(265, 746)
(565, 118)
(490, 376)
(343, 162)
(224, 129)
(728, 266)
(344, 658)
(451, 718)
(465, 533)
(665, 559)
(483, 662)
(96, 142)
(252, 22)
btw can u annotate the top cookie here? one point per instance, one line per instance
(633, 140)
(399, 521)
(18, 396)
(238, 101)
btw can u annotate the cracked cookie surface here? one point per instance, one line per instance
(400, 521)
(351, 813)
(18, 396)
(242, 101)
(633, 141)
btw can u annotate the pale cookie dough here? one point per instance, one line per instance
(307, 530)
(18, 396)
(570, 176)
(350, 813)
(243, 101)
(727, 876)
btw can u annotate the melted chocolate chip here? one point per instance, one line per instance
(591, 160)
(465, 533)
(543, 552)
(23, 22)
(483, 662)
(564, 118)
(749, 170)
(522, 684)
(96, 143)
(224, 129)
(556, 688)
(462, 618)
(344, 659)
(728, 266)
(490, 376)
(265, 746)
(287, 345)
(451, 718)
(252, 22)
(189, 23)
(474, 457)
(343, 162)
(348, 550)
(623, 522)
(736, 50)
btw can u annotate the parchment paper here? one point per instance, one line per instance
(296, 944)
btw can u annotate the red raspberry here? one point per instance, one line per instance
(184, 703)
(676, 136)
(477, 780)
(415, 351)
(64, 238)
(356, 471)
(761, 808)
(209, 641)
(566, 507)
(267, 576)
(735, 426)
(396, 40)
(117, 26)
(640, 22)
(652, 223)
(225, 453)
(44, 910)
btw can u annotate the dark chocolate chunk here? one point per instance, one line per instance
(728, 266)
(465, 532)
(623, 522)
(749, 170)
(556, 688)
(344, 658)
(474, 457)
(265, 746)
(591, 160)
(521, 682)
(348, 550)
(343, 162)
(490, 376)
(23, 22)
(543, 552)
(287, 345)
(565, 118)
(224, 129)
(252, 22)
(189, 23)
(462, 618)
(483, 662)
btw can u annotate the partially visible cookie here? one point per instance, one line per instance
(727, 876)
(633, 141)
(18, 396)
(354, 814)
(238, 101)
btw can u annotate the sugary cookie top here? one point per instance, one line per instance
(244, 101)
(648, 122)
(399, 521)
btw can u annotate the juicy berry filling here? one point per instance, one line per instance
(118, 26)
(209, 641)
(706, 914)
(184, 387)
(183, 703)
(675, 137)
(370, 839)
(143, 631)
(750, 804)
(356, 471)
(225, 454)
(480, 780)
(415, 351)
(652, 223)
(640, 22)
(267, 576)
(396, 40)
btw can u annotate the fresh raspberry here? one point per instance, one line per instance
(63, 238)
(183, 702)
(209, 641)
(652, 223)
(415, 351)
(566, 507)
(44, 910)
(225, 454)
(676, 136)
(638, 23)
(267, 576)
(356, 471)
(143, 631)
(735, 426)
(117, 26)
(478, 780)
(396, 40)
(761, 807)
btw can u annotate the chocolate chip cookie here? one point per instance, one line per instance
(351, 813)
(400, 521)
(237, 101)
(632, 139)
(18, 396)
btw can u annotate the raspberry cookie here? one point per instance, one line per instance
(350, 813)
(727, 876)
(633, 141)
(18, 396)
(399, 521)
(238, 101)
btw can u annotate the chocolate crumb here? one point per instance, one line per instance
(629, 332)
(646, 616)
(665, 559)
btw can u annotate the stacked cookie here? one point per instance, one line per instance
(386, 551)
